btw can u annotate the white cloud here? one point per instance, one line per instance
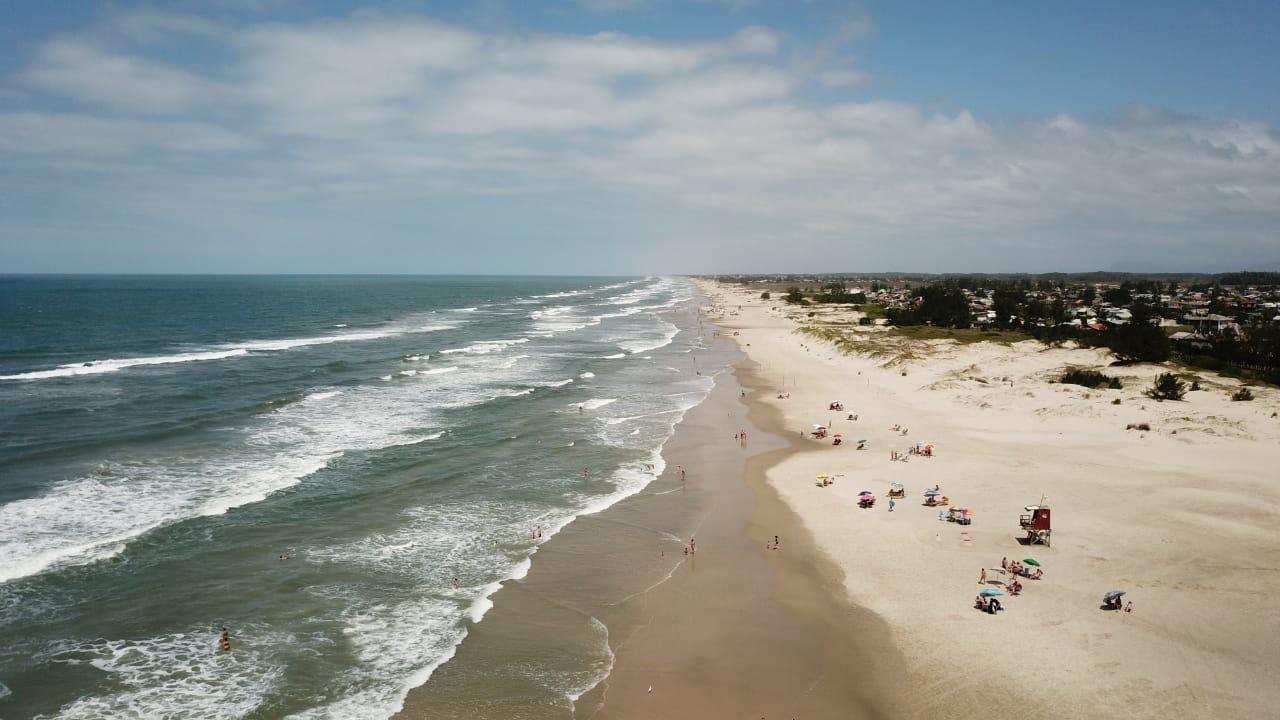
(409, 107)
(82, 71)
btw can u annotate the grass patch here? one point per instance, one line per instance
(964, 336)
(1089, 379)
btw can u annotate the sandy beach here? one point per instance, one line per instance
(1182, 517)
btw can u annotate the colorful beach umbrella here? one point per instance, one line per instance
(1031, 561)
(823, 476)
(990, 592)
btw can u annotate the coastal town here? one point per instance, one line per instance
(1229, 321)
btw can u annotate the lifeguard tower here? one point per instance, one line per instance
(1036, 524)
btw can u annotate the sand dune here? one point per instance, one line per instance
(1183, 517)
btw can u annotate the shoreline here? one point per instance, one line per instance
(759, 633)
(734, 630)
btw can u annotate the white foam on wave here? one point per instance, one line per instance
(558, 383)
(96, 367)
(629, 418)
(223, 352)
(615, 356)
(587, 375)
(439, 370)
(416, 358)
(650, 340)
(405, 641)
(83, 520)
(484, 347)
(180, 675)
(511, 362)
(595, 403)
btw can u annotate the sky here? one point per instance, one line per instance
(621, 137)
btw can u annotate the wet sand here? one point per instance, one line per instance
(746, 631)
(614, 621)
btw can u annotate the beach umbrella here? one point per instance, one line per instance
(990, 592)
(823, 476)
(1031, 561)
(931, 493)
(865, 492)
(1111, 597)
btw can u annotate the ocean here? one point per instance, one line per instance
(311, 462)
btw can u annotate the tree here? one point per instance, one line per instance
(1167, 387)
(1138, 340)
(1035, 310)
(1005, 303)
(764, 295)
(1089, 295)
(1118, 296)
(794, 295)
(1057, 311)
(945, 306)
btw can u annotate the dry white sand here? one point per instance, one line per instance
(1183, 517)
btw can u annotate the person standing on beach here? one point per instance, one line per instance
(693, 546)
(681, 469)
(983, 580)
(890, 504)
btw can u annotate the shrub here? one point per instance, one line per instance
(1087, 378)
(1167, 387)
(1241, 395)
(1115, 384)
(1138, 426)
(764, 295)
(1195, 384)
(1116, 401)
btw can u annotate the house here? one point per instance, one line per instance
(1209, 323)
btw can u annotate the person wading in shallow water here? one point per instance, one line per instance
(224, 642)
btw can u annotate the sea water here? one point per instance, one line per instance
(165, 441)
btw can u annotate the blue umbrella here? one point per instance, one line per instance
(989, 592)
(1112, 596)
(931, 493)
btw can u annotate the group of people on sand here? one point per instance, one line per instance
(988, 604)
(1016, 568)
